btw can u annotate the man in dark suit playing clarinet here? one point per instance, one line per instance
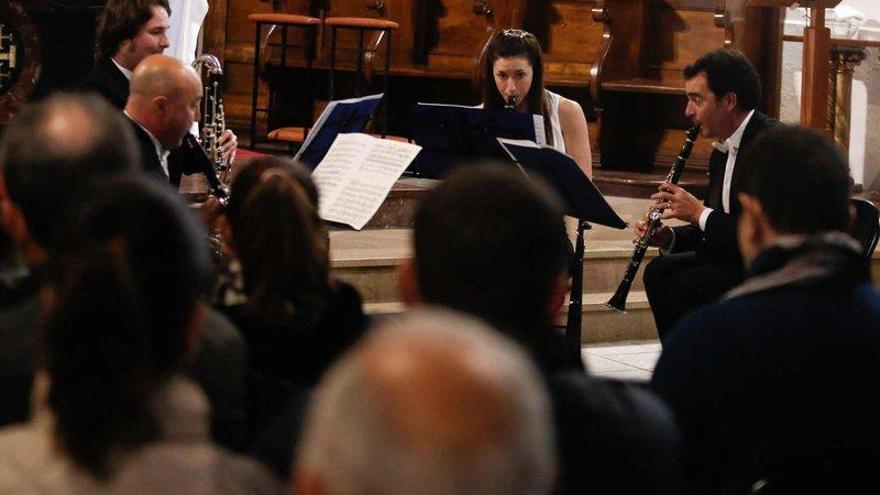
(701, 260)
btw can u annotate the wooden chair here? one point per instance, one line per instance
(262, 61)
(365, 53)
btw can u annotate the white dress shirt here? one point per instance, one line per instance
(731, 147)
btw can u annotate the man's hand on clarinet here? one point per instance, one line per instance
(662, 237)
(228, 145)
(678, 203)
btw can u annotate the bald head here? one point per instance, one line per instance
(164, 96)
(432, 404)
(161, 75)
(56, 148)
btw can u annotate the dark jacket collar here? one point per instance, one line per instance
(832, 260)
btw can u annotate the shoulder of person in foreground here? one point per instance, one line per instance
(621, 429)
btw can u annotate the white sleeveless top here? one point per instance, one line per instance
(555, 127)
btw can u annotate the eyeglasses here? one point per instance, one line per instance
(515, 33)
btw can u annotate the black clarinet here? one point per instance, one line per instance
(205, 165)
(510, 104)
(618, 300)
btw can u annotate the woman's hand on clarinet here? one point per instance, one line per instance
(678, 203)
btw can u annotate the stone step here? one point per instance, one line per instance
(398, 208)
(599, 323)
(370, 260)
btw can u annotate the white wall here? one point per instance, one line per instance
(864, 138)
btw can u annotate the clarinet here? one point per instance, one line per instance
(618, 300)
(207, 166)
(510, 104)
(211, 126)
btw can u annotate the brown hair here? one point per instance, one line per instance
(121, 20)
(518, 43)
(280, 240)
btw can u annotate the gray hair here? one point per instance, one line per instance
(434, 403)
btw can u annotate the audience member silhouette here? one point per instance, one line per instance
(125, 304)
(81, 140)
(432, 404)
(295, 318)
(490, 242)
(775, 379)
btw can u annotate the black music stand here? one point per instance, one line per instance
(452, 134)
(339, 117)
(581, 200)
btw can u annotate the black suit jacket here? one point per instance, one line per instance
(108, 81)
(719, 240)
(150, 162)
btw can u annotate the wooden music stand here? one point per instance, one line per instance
(817, 54)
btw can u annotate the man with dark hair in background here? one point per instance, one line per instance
(776, 380)
(490, 242)
(128, 31)
(700, 261)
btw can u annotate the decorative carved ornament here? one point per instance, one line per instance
(19, 58)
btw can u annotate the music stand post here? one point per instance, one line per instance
(574, 321)
(581, 200)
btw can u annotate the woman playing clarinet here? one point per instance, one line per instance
(514, 79)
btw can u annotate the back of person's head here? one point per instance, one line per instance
(121, 20)
(491, 242)
(729, 71)
(55, 149)
(279, 238)
(126, 289)
(801, 180)
(431, 404)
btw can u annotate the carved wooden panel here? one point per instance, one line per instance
(571, 39)
(20, 56)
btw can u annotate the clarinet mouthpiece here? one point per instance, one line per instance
(510, 106)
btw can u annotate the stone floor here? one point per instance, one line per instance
(626, 360)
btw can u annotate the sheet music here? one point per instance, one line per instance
(357, 174)
(319, 123)
(540, 135)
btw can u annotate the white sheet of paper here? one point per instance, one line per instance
(357, 174)
(540, 135)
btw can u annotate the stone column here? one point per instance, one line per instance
(844, 60)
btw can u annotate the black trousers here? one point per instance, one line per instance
(677, 284)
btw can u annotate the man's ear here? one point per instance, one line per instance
(408, 283)
(160, 104)
(752, 224)
(730, 101)
(557, 297)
